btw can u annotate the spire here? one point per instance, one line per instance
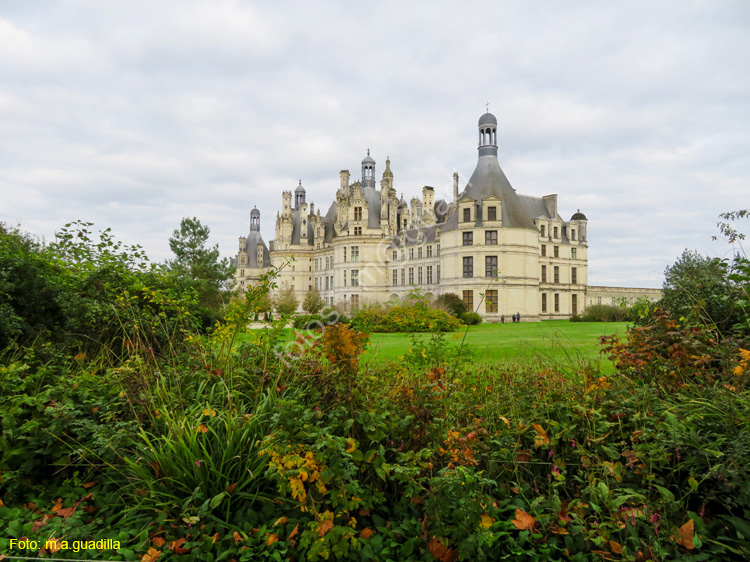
(368, 171)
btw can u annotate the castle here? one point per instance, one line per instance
(501, 252)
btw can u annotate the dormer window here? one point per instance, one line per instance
(555, 232)
(491, 213)
(543, 230)
(467, 214)
(357, 213)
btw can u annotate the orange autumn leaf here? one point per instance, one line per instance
(616, 547)
(324, 527)
(280, 521)
(53, 545)
(201, 429)
(158, 542)
(231, 488)
(88, 485)
(57, 506)
(437, 548)
(523, 520)
(272, 539)
(176, 545)
(294, 532)
(39, 523)
(687, 532)
(366, 533)
(151, 555)
(237, 537)
(541, 438)
(215, 538)
(67, 512)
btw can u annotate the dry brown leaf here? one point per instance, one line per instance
(215, 538)
(231, 488)
(237, 537)
(541, 438)
(324, 527)
(366, 533)
(524, 456)
(88, 485)
(437, 548)
(280, 521)
(687, 532)
(523, 520)
(176, 545)
(39, 523)
(67, 512)
(294, 532)
(57, 505)
(151, 555)
(616, 547)
(55, 545)
(272, 539)
(158, 542)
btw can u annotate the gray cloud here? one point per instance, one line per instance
(135, 114)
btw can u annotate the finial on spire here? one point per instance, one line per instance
(368, 152)
(488, 107)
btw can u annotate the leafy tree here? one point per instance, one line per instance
(699, 288)
(313, 302)
(452, 303)
(198, 263)
(285, 301)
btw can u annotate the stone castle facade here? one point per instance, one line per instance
(501, 252)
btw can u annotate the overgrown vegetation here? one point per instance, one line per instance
(184, 445)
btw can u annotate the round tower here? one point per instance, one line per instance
(299, 196)
(255, 220)
(487, 135)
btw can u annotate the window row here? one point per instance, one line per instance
(423, 275)
(556, 303)
(556, 274)
(467, 214)
(490, 238)
(490, 300)
(490, 266)
(556, 232)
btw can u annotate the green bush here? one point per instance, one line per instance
(471, 318)
(452, 303)
(404, 318)
(603, 313)
(308, 322)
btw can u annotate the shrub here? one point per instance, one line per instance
(471, 318)
(404, 318)
(452, 303)
(313, 302)
(308, 322)
(603, 313)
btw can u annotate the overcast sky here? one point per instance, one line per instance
(133, 114)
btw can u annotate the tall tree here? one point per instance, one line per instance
(199, 264)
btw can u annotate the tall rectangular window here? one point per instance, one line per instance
(395, 277)
(355, 254)
(327, 287)
(437, 273)
(557, 302)
(544, 274)
(557, 274)
(467, 214)
(490, 266)
(573, 253)
(469, 300)
(419, 275)
(468, 267)
(411, 276)
(345, 278)
(355, 277)
(395, 255)
(490, 237)
(419, 251)
(544, 250)
(411, 253)
(572, 233)
(555, 231)
(491, 300)
(429, 251)
(543, 230)
(468, 238)
(429, 275)
(574, 304)
(491, 213)
(357, 231)
(357, 213)
(403, 276)
(355, 301)
(557, 251)
(544, 302)
(574, 275)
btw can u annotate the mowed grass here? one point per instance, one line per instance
(551, 342)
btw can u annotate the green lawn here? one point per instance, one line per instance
(555, 340)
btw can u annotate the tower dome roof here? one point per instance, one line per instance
(578, 216)
(368, 159)
(255, 212)
(299, 189)
(487, 119)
